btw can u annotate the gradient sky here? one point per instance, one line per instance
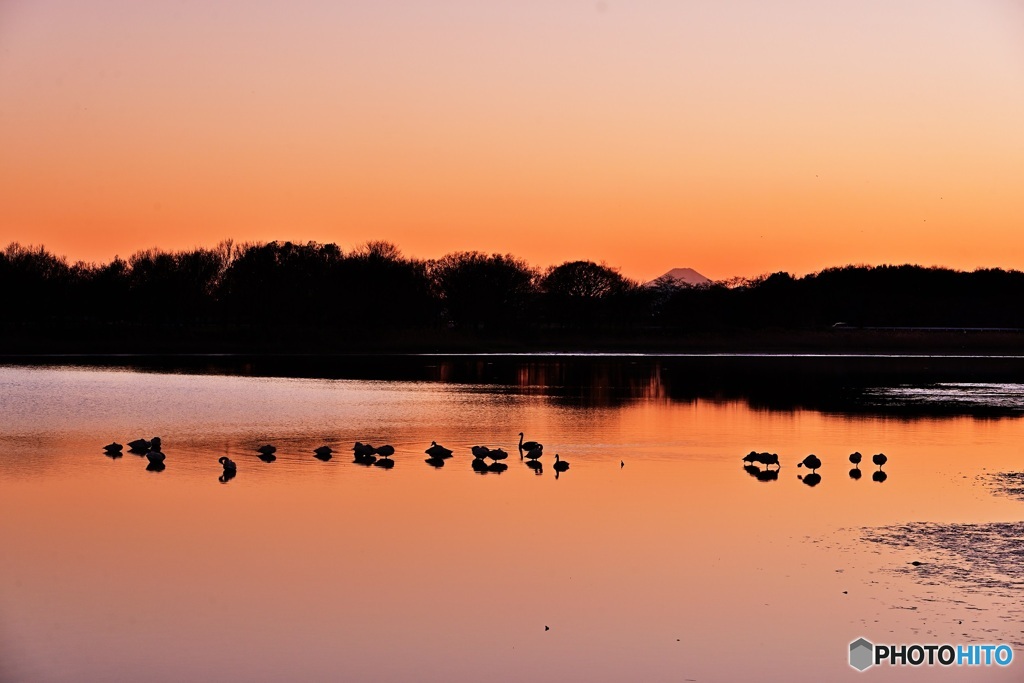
(735, 137)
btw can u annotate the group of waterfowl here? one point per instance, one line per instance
(149, 448)
(811, 462)
(363, 454)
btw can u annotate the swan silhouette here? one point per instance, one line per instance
(227, 463)
(855, 458)
(497, 454)
(811, 462)
(113, 447)
(323, 452)
(386, 451)
(436, 450)
(879, 459)
(527, 445)
(560, 465)
(480, 451)
(534, 452)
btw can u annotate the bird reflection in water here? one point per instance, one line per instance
(435, 462)
(156, 467)
(812, 479)
(536, 466)
(879, 476)
(226, 476)
(479, 465)
(855, 473)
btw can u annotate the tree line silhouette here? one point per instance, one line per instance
(373, 291)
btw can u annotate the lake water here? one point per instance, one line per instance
(655, 557)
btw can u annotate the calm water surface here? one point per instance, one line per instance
(678, 566)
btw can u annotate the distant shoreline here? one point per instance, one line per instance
(214, 340)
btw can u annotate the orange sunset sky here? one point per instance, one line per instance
(734, 137)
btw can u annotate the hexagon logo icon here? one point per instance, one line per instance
(861, 654)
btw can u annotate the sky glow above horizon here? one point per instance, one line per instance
(733, 137)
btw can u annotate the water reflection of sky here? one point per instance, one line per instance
(329, 570)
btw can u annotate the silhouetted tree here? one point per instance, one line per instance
(483, 291)
(585, 293)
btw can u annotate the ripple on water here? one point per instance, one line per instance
(1005, 484)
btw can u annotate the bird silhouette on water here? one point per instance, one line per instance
(527, 446)
(436, 450)
(323, 453)
(811, 462)
(560, 465)
(138, 445)
(879, 459)
(385, 461)
(113, 448)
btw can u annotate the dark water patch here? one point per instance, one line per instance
(985, 558)
(903, 386)
(1005, 484)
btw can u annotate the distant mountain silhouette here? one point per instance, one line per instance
(682, 276)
